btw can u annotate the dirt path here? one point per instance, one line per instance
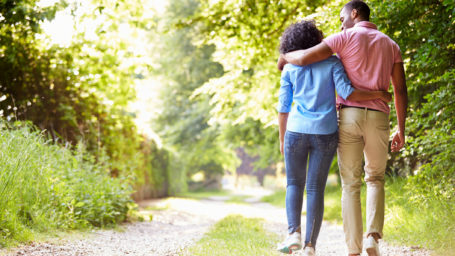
(183, 222)
(169, 232)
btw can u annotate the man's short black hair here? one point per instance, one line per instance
(361, 7)
(299, 36)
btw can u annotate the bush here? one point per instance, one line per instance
(44, 186)
(435, 181)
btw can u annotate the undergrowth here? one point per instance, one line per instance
(45, 186)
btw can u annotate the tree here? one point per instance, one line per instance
(425, 32)
(246, 34)
(184, 119)
(78, 92)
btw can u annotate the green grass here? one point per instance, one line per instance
(236, 235)
(46, 187)
(237, 199)
(157, 207)
(203, 194)
(277, 198)
(406, 222)
(224, 195)
(332, 204)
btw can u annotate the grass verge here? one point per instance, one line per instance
(236, 235)
(46, 187)
(204, 194)
(332, 204)
(430, 225)
(221, 195)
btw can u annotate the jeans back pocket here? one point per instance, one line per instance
(292, 141)
(327, 142)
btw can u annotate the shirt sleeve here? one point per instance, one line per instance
(285, 95)
(336, 42)
(342, 83)
(396, 53)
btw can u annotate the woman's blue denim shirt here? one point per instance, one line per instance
(312, 90)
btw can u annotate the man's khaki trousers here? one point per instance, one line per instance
(363, 134)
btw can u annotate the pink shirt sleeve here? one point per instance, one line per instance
(336, 42)
(396, 53)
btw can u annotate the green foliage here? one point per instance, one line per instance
(35, 85)
(79, 92)
(425, 31)
(196, 146)
(418, 217)
(435, 181)
(247, 35)
(217, 64)
(44, 186)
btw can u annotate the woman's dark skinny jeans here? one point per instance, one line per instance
(317, 151)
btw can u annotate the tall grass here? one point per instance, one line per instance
(407, 221)
(45, 186)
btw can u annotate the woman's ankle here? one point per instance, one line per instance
(298, 230)
(376, 236)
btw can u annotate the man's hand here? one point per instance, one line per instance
(401, 103)
(386, 96)
(281, 62)
(398, 141)
(305, 57)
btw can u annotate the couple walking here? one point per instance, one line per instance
(309, 132)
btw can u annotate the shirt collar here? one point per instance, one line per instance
(366, 24)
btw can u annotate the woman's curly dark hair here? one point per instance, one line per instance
(299, 36)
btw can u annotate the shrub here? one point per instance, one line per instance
(44, 186)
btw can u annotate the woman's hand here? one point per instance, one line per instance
(385, 96)
(282, 123)
(282, 147)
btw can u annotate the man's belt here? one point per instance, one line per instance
(345, 106)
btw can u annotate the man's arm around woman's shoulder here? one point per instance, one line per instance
(308, 56)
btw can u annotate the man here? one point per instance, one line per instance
(371, 60)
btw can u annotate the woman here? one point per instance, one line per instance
(309, 131)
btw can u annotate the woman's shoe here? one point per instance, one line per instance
(291, 243)
(309, 251)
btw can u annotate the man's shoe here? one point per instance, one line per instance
(371, 246)
(309, 251)
(291, 243)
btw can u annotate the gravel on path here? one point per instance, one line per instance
(182, 222)
(168, 234)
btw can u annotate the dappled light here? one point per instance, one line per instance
(148, 114)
